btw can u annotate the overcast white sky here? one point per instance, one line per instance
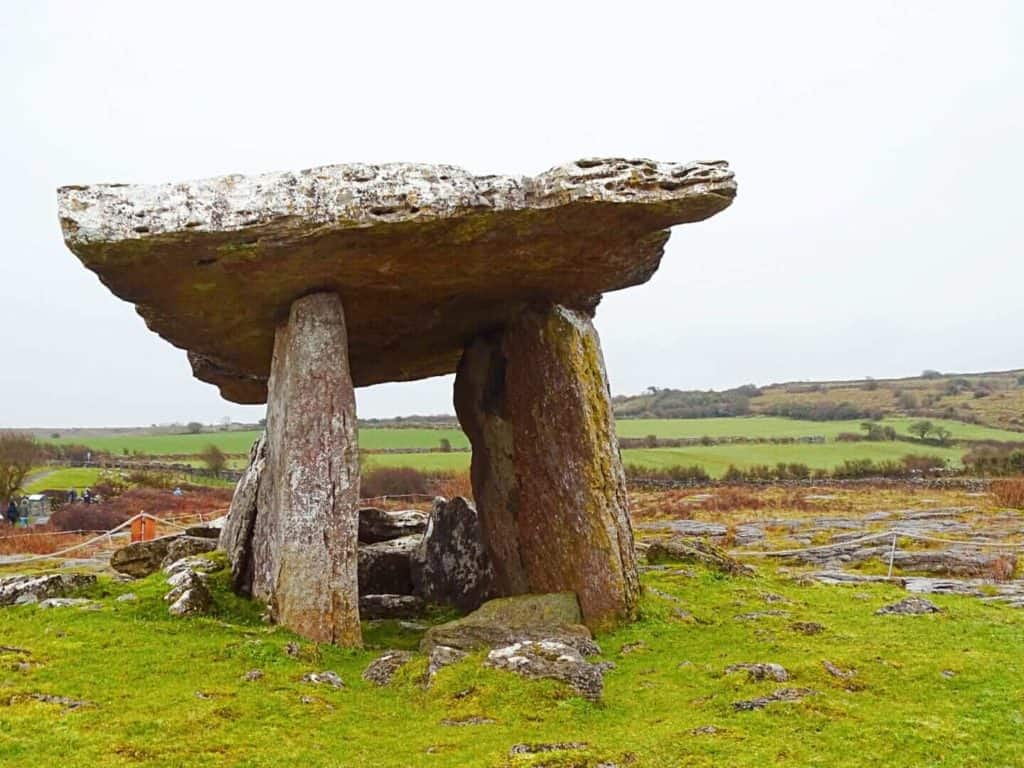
(878, 149)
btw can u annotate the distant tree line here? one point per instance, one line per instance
(686, 404)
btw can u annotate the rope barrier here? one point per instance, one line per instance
(81, 545)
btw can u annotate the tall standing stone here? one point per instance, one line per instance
(547, 476)
(304, 558)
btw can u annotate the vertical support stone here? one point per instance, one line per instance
(547, 477)
(305, 537)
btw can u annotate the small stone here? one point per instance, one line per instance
(761, 671)
(203, 695)
(64, 701)
(128, 597)
(807, 627)
(253, 675)
(842, 674)
(194, 601)
(292, 649)
(781, 695)
(704, 730)
(536, 749)
(629, 648)
(64, 602)
(382, 669)
(442, 656)
(948, 674)
(324, 678)
(909, 606)
(474, 720)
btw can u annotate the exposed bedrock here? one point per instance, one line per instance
(547, 478)
(304, 538)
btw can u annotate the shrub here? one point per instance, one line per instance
(445, 445)
(452, 484)
(110, 484)
(392, 481)
(87, 517)
(1009, 492)
(213, 457)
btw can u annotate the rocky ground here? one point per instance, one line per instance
(736, 659)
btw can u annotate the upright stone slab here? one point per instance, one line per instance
(547, 477)
(305, 538)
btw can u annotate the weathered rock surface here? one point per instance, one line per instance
(141, 558)
(547, 477)
(189, 594)
(386, 567)
(390, 606)
(19, 590)
(237, 531)
(783, 694)
(909, 606)
(382, 669)
(187, 546)
(550, 659)
(682, 550)
(383, 525)
(758, 671)
(304, 543)
(451, 565)
(508, 620)
(426, 256)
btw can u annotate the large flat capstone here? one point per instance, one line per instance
(424, 257)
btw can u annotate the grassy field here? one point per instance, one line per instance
(239, 442)
(62, 479)
(774, 426)
(928, 690)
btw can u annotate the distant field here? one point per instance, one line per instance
(381, 438)
(239, 442)
(775, 426)
(62, 479)
(715, 458)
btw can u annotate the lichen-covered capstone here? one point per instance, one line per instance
(424, 256)
(547, 477)
(304, 543)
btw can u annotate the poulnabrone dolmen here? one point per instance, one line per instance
(292, 288)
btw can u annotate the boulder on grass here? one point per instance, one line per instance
(683, 550)
(187, 546)
(141, 558)
(508, 620)
(550, 659)
(19, 590)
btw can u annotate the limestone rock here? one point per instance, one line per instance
(141, 558)
(383, 668)
(19, 590)
(547, 478)
(508, 620)
(427, 255)
(324, 678)
(441, 656)
(390, 607)
(194, 601)
(66, 602)
(682, 550)
(187, 546)
(304, 541)
(761, 671)
(550, 659)
(909, 606)
(783, 694)
(386, 567)
(383, 525)
(451, 566)
(204, 531)
(237, 531)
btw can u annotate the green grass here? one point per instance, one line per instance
(168, 692)
(62, 479)
(717, 458)
(774, 426)
(239, 442)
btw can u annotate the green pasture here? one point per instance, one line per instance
(61, 479)
(777, 426)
